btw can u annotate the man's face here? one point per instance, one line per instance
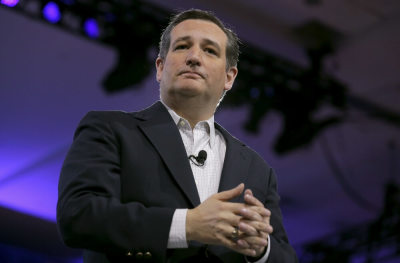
(195, 65)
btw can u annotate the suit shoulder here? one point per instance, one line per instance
(254, 155)
(250, 152)
(108, 116)
(247, 150)
(106, 123)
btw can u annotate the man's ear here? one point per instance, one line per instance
(159, 67)
(230, 78)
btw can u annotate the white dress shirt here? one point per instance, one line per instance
(205, 137)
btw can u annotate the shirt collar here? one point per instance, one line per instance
(210, 123)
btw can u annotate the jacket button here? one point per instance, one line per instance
(147, 255)
(139, 255)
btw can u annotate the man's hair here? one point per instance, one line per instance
(232, 46)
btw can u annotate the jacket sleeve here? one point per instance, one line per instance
(90, 213)
(281, 250)
(265, 188)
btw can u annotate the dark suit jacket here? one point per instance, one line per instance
(126, 173)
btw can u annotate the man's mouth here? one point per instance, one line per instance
(191, 74)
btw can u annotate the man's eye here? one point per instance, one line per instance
(211, 51)
(180, 47)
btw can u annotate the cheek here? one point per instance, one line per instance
(219, 71)
(220, 76)
(169, 69)
(168, 74)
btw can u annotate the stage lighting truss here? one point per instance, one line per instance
(97, 19)
(266, 82)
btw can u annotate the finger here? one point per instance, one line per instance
(253, 227)
(229, 213)
(230, 194)
(261, 234)
(264, 212)
(255, 241)
(259, 250)
(247, 228)
(252, 200)
(264, 235)
(248, 192)
(268, 229)
(243, 244)
(229, 243)
(228, 219)
(249, 214)
(259, 224)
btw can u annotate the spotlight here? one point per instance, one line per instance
(91, 28)
(9, 3)
(51, 12)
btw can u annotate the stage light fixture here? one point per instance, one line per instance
(91, 28)
(9, 3)
(51, 12)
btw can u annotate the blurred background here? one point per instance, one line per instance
(317, 96)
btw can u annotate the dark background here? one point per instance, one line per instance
(332, 185)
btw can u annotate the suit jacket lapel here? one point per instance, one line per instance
(236, 163)
(161, 130)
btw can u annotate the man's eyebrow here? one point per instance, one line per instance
(213, 43)
(184, 38)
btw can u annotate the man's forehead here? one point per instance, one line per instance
(197, 28)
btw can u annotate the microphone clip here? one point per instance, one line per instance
(199, 159)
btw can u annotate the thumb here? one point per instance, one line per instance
(230, 194)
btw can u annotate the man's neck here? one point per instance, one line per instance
(191, 110)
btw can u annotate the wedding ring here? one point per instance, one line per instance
(235, 234)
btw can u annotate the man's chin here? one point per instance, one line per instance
(189, 91)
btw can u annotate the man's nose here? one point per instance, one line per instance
(193, 57)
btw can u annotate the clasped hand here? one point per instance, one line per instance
(214, 221)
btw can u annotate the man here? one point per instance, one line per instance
(166, 184)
